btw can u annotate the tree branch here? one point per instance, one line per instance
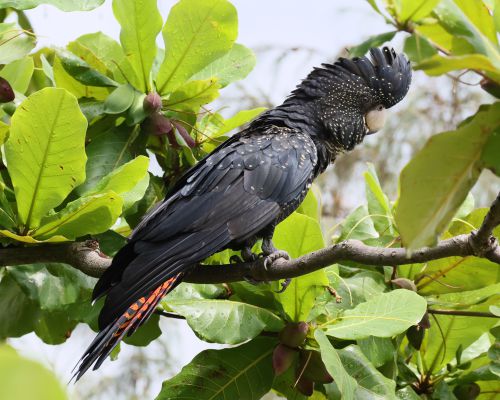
(86, 256)
(463, 313)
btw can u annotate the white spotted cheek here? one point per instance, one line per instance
(375, 120)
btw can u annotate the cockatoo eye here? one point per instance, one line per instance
(375, 119)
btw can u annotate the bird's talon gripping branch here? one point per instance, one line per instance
(271, 258)
(284, 285)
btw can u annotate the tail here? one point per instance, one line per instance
(107, 339)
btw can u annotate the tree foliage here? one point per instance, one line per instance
(77, 140)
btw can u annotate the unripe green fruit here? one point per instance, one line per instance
(6, 92)
(315, 370)
(283, 357)
(152, 103)
(294, 334)
(467, 391)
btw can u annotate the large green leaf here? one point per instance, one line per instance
(224, 321)
(193, 95)
(16, 372)
(84, 216)
(106, 152)
(52, 286)
(14, 42)
(378, 203)
(64, 80)
(415, 10)
(448, 332)
(197, 32)
(298, 235)
(45, 152)
(240, 118)
(371, 383)
(491, 150)
(358, 225)
(450, 163)
(439, 65)
(244, 373)
(111, 54)
(80, 70)
(385, 315)
(418, 48)
(19, 73)
(459, 23)
(141, 23)
(130, 181)
(64, 5)
(346, 383)
(231, 67)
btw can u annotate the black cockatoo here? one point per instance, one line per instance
(244, 188)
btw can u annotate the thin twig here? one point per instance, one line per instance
(463, 313)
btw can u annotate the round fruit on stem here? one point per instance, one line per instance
(6, 92)
(152, 103)
(283, 357)
(294, 334)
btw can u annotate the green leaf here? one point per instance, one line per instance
(346, 383)
(491, 150)
(231, 67)
(146, 333)
(14, 371)
(64, 5)
(111, 54)
(442, 341)
(418, 48)
(17, 311)
(244, 373)
(298, 235)
(378, 203)
(240, 118)
(415, 10)
(193, 95)
(106, 152)
(358, 225)
(480, 16)
(52, 286)
(83, 72)
(64, 80)
(451, 163)
(310, 206)
(85, 216)
(224, 321)
(464, 298)
(140, 23)
(458, 23)
(373, 41)
(14, 42)
(385, 315)
(378, 350)
(371, 383)
(45, 152)
(120, 100)
(197, 32)
(130, 181)
(19, 73)
(457, 274)
(30, 239)
(439, 65)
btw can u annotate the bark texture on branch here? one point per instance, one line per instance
(86, 256)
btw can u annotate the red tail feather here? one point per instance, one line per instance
(128, 323)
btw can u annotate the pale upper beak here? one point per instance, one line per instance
(375, 120)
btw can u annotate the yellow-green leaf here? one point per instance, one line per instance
(436, 182)
(141, 23)
(197, 32)
(45, 152)
(86, 216)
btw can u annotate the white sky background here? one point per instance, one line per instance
(323, 25)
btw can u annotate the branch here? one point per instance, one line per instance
(84, 256)
(87, 257)
(463, 313)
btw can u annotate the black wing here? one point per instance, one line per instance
(230, 196)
